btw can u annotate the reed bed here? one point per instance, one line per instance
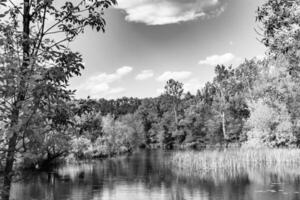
(230, 164)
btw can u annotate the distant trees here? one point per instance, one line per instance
(250, 105)
(116, 136)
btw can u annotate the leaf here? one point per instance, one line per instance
(4, 14)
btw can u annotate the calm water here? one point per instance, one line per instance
(143, 176)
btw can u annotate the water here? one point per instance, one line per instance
(143, 176)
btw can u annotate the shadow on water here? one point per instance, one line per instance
(145, 175)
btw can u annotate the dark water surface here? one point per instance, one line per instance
(143, 176)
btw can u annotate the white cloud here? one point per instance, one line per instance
(116, 90)
(193, 85)
(124, 70)
(109, 78)
(160, 91)
(224, 59)
(160, 12)
(99, 85)
(181, 75)
(145, 74)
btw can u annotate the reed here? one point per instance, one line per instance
(230, 164)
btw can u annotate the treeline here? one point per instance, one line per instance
(254, 104)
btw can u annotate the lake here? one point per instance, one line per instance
(145, 176)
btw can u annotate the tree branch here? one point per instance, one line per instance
(16, 7)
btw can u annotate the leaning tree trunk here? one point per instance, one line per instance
(12, 143)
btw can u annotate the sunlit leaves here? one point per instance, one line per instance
(281, 30)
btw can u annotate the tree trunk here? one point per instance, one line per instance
(8, 170)
(176, 116)
(10, 156)
(224, 127)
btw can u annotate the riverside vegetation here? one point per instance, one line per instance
(255, 105)
(222, 166)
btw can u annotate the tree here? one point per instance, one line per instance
(226, 98)
(149, 112)
(221, 100)
(174, 90)
(281, 30)
(195, 124)
(35, 67)
(247, 75)
(270, 125)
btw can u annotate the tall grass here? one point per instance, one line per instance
(230, 164)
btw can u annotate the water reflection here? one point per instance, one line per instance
(144, 176)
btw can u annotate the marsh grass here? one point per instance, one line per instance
(221, 166)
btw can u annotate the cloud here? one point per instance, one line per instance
(224, 59)
(193, 85)
(160, 12)
(116, 90)
(181, 75)
(105, 78)
(160, 91)
(124, 70)
(99, 85)
(145, 74)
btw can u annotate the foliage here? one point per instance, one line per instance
(35, 68)
(81, 147)
(270, 126)
(118, 136)
(281, 30)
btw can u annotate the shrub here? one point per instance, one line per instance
(81, 147)
(269, 126)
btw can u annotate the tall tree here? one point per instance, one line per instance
(280, 21)
(36, 64)
(174, 90)
(222, 88)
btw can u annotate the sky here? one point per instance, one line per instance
(148, 42)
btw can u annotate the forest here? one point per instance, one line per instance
(253, 105)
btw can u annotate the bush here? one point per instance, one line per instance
(119, 136)
(81, 147)
(269, 126)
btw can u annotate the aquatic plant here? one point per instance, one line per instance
(220, 166)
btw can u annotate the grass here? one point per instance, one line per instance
(230, 164)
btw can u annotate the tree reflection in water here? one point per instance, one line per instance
(146, 175)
